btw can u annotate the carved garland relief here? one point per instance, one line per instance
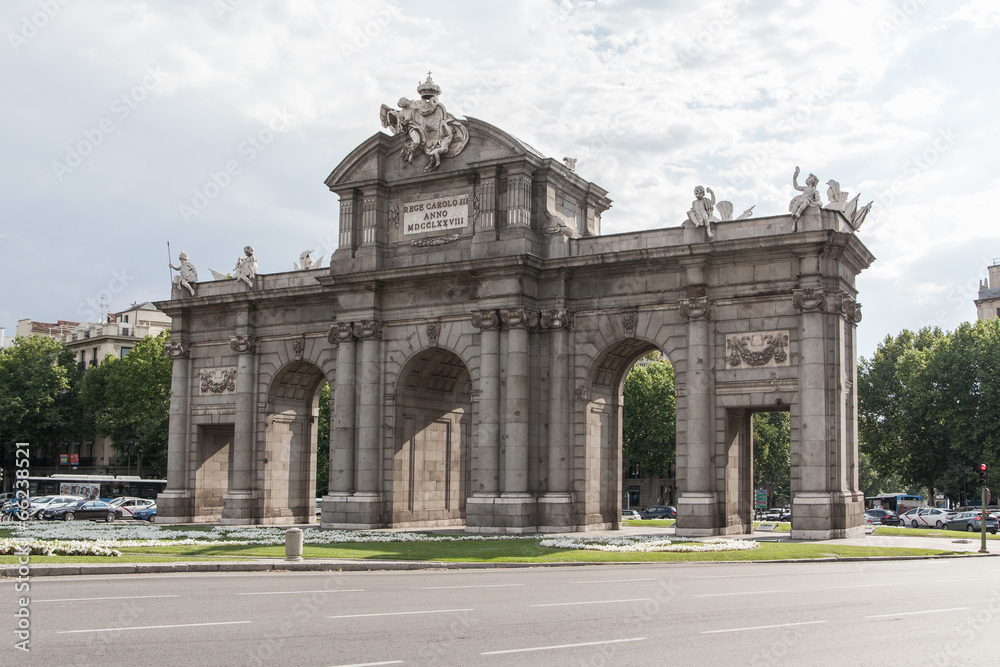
(763, 349)
(217, 380)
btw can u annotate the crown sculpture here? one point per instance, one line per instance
(428, 125)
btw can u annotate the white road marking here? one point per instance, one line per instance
(838, 588)
(569, 604)
(612, 581)
(912, 613)
(734, 576)
(402, 613)
(440, 588)
(719, 595)
(760, 627)
(326, 590)
(151, 627)
(558, 646)
(371, 664)
(124, 597)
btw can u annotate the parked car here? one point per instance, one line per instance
(42, 503)
(882, 516)
(972, 522)
(777, 514)
(147, 513)
(630, 514)
(659, 512)
(84, 509)
(129, 505)
(925, 517)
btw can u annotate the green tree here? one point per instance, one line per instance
(39, 398)
(772, 455)
(929, 407)
(323, 442)
(649, 428)
(130, 401)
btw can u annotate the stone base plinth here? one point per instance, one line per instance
(174, 507)
(238, 508)
(825, 516)
(555, 513)
(509, 513)
(354, 512)
(697, 515)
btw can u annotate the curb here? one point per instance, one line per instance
(59, 570)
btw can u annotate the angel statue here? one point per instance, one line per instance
(701, 213)
(246, 267)
(428, 126)
(306, 262)
(187, 274)
(809, 197)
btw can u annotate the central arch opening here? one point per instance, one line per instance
(431, 472)
(642, 476)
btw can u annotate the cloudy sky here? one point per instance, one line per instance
(119, 116)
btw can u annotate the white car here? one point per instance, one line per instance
(925, 517)
(628, 515)
(128, 505)
(42, 503)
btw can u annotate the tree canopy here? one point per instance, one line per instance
(130, 401)
(39, 387)
(649, 424)
(772, 456)
(929, 406)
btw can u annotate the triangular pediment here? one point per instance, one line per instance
(379, 158)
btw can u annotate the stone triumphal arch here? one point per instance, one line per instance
(475, 329)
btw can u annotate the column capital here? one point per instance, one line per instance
(519, 317)
(243, 344)
(697, 308)
(809, 300)
(555, 319)
(369, 329)
(340, 332)
(177, 349)
(846, 306)
(486, 320)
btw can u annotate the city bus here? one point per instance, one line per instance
(96, 486)
(894, 502)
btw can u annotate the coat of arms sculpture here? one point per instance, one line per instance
(428, 124)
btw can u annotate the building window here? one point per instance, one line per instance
(125, 350)
(126, 319)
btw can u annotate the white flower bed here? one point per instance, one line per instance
(648, 544)
(12, 546)
(108, 538)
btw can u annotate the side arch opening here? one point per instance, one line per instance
(288, 493)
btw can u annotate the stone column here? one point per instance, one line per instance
(486, 477)
(175, 503)
(697, 511)
(515, 438)
(369, 332)
(238, 502)
(810, 469)
(518, 504)
(342, 437)
(479, 509)
(555, 507)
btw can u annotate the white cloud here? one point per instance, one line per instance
(652, 98)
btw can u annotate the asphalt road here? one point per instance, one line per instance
(924, 612)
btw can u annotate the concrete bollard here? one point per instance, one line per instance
(294, 539)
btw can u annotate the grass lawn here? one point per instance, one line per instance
(931, 532)
(782, 527)
(501, 551)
